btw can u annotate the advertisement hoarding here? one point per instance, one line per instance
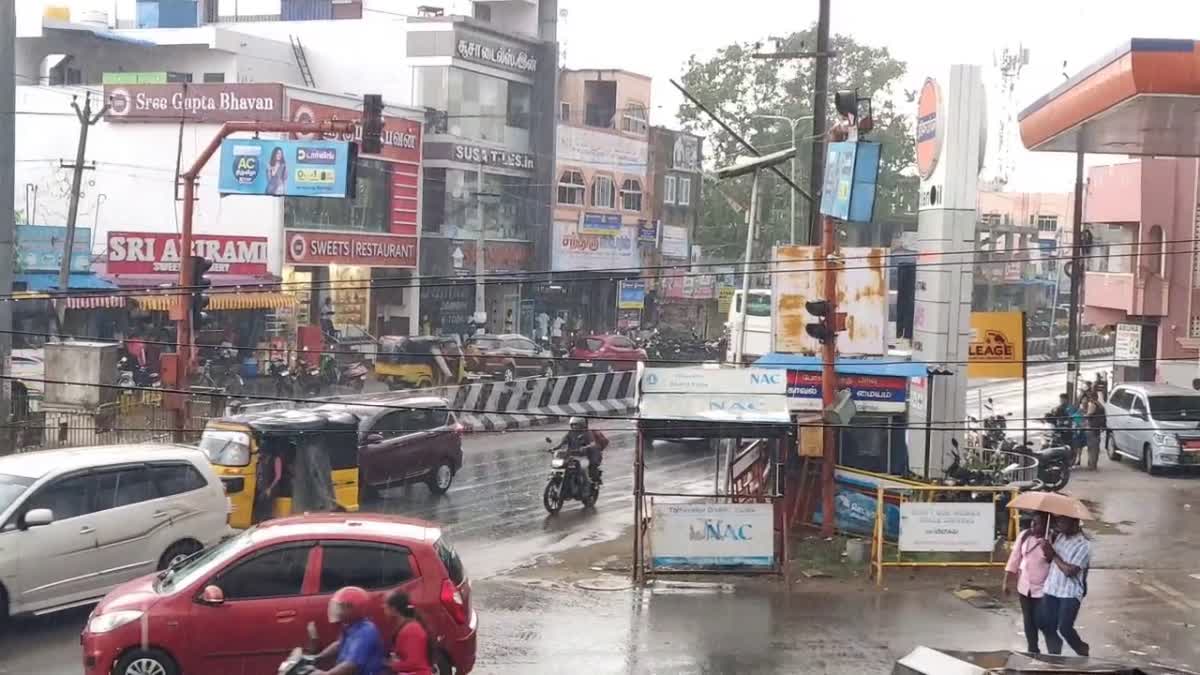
(603, 224)
(715, 394)
(871, 394)
(1128, 343)
(158, 252)
(955, 527)
(255, 166)
(798, 277)
(571, 250)
(312, 247)
(707, 536)
(632, 294)
(675, 242)
(648, 231)
(39, 248)
(997, 346)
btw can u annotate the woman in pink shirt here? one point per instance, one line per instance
(1027, 567)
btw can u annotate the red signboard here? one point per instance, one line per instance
(158, 252)
(401, 144)
(310, 247)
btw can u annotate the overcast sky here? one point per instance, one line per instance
(655, 37)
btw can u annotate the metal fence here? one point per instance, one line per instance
(136, 418)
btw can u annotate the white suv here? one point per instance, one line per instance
(76, 523)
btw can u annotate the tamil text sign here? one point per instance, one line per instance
(870, 393)
(798, 277)
(158, 252)
(213, 103)
(752, 395)
(253, 166)
(997, 346)
(712, 536)
(601, 149)
(1128, 344)
(401, 136)
(310, 247)
(511, 57)
(573, 250)
(956, 527)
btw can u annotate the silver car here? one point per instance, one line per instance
(1157, 425)
(79, 522)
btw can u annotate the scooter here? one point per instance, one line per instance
(298, 663)
(568, 480)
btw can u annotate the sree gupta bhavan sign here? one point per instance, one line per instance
(307, 247)
(193, 102)
(159, 252)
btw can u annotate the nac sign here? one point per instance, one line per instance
(712, 536)
(754, 395)
(929, 129)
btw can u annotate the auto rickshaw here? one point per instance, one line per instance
(419, 362)
(318, 452)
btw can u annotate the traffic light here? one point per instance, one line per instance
(372, 124)
(200, 286)
(826, 326)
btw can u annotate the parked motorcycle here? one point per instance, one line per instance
(352, 375)
(281, 376)
(134, 375)
(309, 380)
(221, 375)
(568, 480)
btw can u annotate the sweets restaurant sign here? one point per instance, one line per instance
(193, 102)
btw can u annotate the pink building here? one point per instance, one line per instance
(1050, 212)
(1142, 268)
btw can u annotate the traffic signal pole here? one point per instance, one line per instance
(829, 374)
(185, 331)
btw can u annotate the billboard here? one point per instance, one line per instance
(158, 253)
(870, 393)
(632, 294)
(326, 247)
(573, 250)
(707, 536)
(797, 277)
(604, 224)
(751, 395)
(281, 168)
(40, 248)
(997, 346)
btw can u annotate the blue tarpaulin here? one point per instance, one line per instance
(48, 281)
(888, 366)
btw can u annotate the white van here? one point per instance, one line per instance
(76, 523)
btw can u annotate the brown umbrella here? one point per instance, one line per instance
(1051, 502)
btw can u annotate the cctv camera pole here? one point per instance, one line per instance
(829, 374)
(751, 216)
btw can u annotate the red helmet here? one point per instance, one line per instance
(348, 605)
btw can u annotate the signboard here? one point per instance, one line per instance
(997, 346)
(955, 527)
(707, 536)
(572, 250)
(851, 173)
(515, 58)
(724, 300)
(870, 393)
(475, 154)
(675, 242)
(685, 155)
(255, 166)
(310, 247)
(212, 103)
(929, 129)
(684, 285)
(715, 394)
(603, 224)
(401, 136)
(1128, 345)
(648, 231)
(39, 248)
(796, 278)
(158, 252)
(632, 295)
(629, 319)
(601, 149)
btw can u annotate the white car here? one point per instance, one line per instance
(76, 523)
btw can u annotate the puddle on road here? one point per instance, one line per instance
(1103, 526)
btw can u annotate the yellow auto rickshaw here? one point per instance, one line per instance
(313, 453)
(419, 362)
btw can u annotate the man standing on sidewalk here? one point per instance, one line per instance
(1070, 555)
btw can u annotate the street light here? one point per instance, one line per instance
(793, 123)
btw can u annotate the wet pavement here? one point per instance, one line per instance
(1143, 595)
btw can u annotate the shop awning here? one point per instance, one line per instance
(222, 301)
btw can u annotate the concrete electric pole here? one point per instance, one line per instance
(8, 100)
(86, 121)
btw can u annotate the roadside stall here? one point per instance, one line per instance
(741, 529)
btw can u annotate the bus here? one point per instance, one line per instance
(758, 325)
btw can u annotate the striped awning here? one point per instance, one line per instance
(95, 302)
(223, 301)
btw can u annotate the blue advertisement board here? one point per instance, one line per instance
(283, 168)
(40, 248)
(604, 224)
(632, 295)
(851, 174)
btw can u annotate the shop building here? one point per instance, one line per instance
(602, 207)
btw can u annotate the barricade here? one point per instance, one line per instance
(950, 526)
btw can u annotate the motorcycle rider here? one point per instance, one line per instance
(359, 649)
(1062, 418)
(583, 442)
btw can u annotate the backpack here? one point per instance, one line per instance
(599, 440)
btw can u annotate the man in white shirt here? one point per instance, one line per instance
(1070, 556)
(556, 329)
(543, 325)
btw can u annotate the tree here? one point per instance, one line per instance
(736, 86)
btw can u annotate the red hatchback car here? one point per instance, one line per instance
(242, 605)
(604, 353)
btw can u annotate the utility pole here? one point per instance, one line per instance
(831, 260)
(480, 243)
(86, 121)
(751, 216)
(8, 96)
(816, 173)
(1076, 280)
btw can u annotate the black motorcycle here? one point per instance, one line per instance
(133, 374)
(281, 376)
(568, 480)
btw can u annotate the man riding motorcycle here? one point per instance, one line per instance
(360, 649)
(583, 442)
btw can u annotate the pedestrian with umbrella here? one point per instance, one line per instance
(1027, 569)
(1069, 553)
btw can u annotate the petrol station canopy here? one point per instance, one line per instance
(1141, 99)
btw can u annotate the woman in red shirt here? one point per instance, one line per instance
(411, 648)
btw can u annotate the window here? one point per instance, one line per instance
(564, 111)
(631, 195)
(518, 345)
(1121, 398)
(570, 188)
(369, 211)
(369, 567)
(214, 78)
(67, 498)
(621, 342)
(477, 105)
(449, 558)
(1175, 408)
(602, 193)
(760, 305)
(634, 119)
(1138, 406)
(483, 12)
(1153, 252)
(174, 479)
(277, 573)
(392, 425)
(1047, 223)
(520, 103)
(669, 190)
(684, 195)
(124, 488)
(590, 344)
